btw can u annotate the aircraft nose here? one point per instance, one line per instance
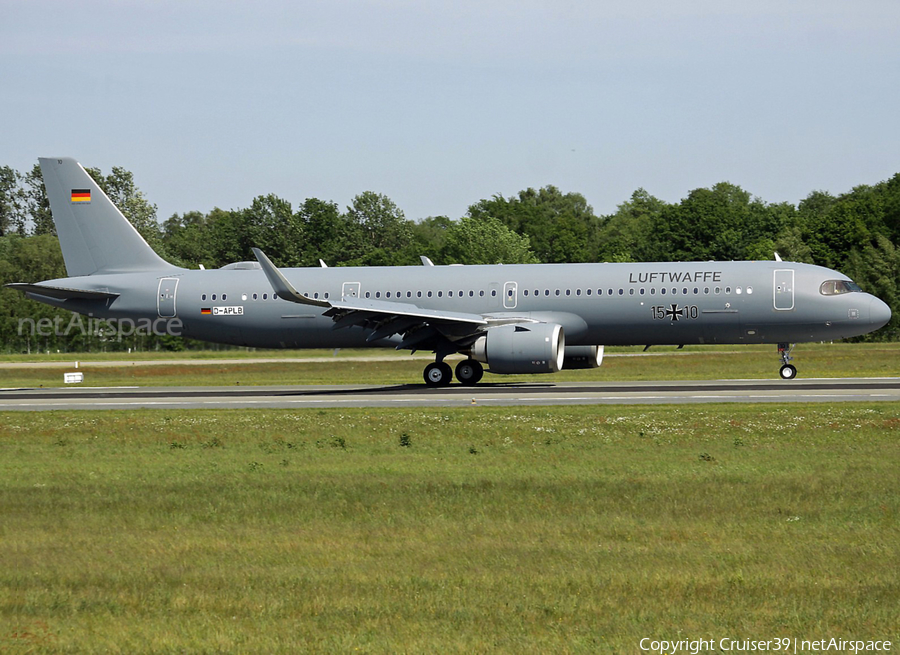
(879, 313)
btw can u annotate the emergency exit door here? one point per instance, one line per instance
(350, 290)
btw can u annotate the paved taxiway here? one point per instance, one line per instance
(418, 395)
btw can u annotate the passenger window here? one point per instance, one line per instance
(224, 297)
(214, 296)
(203, 297)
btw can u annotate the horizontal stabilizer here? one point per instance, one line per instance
(61, 293)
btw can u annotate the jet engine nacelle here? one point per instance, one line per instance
(522, 348)
(583, 357)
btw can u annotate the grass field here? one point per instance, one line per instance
(320, 367)
(530, 530)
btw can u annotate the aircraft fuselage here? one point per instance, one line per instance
(609, 304)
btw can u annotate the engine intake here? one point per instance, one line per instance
(522, 348)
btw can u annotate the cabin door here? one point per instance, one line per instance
(784, 289)
(165, 299)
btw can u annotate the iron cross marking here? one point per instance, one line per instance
(674, 313)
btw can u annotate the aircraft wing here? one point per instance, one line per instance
(403, 309)
(61, 293)
(420, 328)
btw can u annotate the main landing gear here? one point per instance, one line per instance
(469, 372)
(439, 374)
(788, 371)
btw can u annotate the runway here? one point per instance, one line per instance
(418, 395)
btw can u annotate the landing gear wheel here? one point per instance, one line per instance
(788, 372)
(438, 374)
(469, 372)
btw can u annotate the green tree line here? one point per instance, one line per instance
(857, 233)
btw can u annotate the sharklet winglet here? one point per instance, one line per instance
(280, 284)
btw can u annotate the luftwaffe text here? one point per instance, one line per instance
(670, 277)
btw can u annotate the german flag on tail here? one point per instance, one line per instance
(81, 195)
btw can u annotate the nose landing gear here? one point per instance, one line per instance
(788, 371)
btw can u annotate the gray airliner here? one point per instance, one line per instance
(535, 318)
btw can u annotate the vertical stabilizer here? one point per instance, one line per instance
(94, 235)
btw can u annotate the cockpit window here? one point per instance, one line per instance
(837, 287)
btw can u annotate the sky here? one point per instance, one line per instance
(440, 104)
